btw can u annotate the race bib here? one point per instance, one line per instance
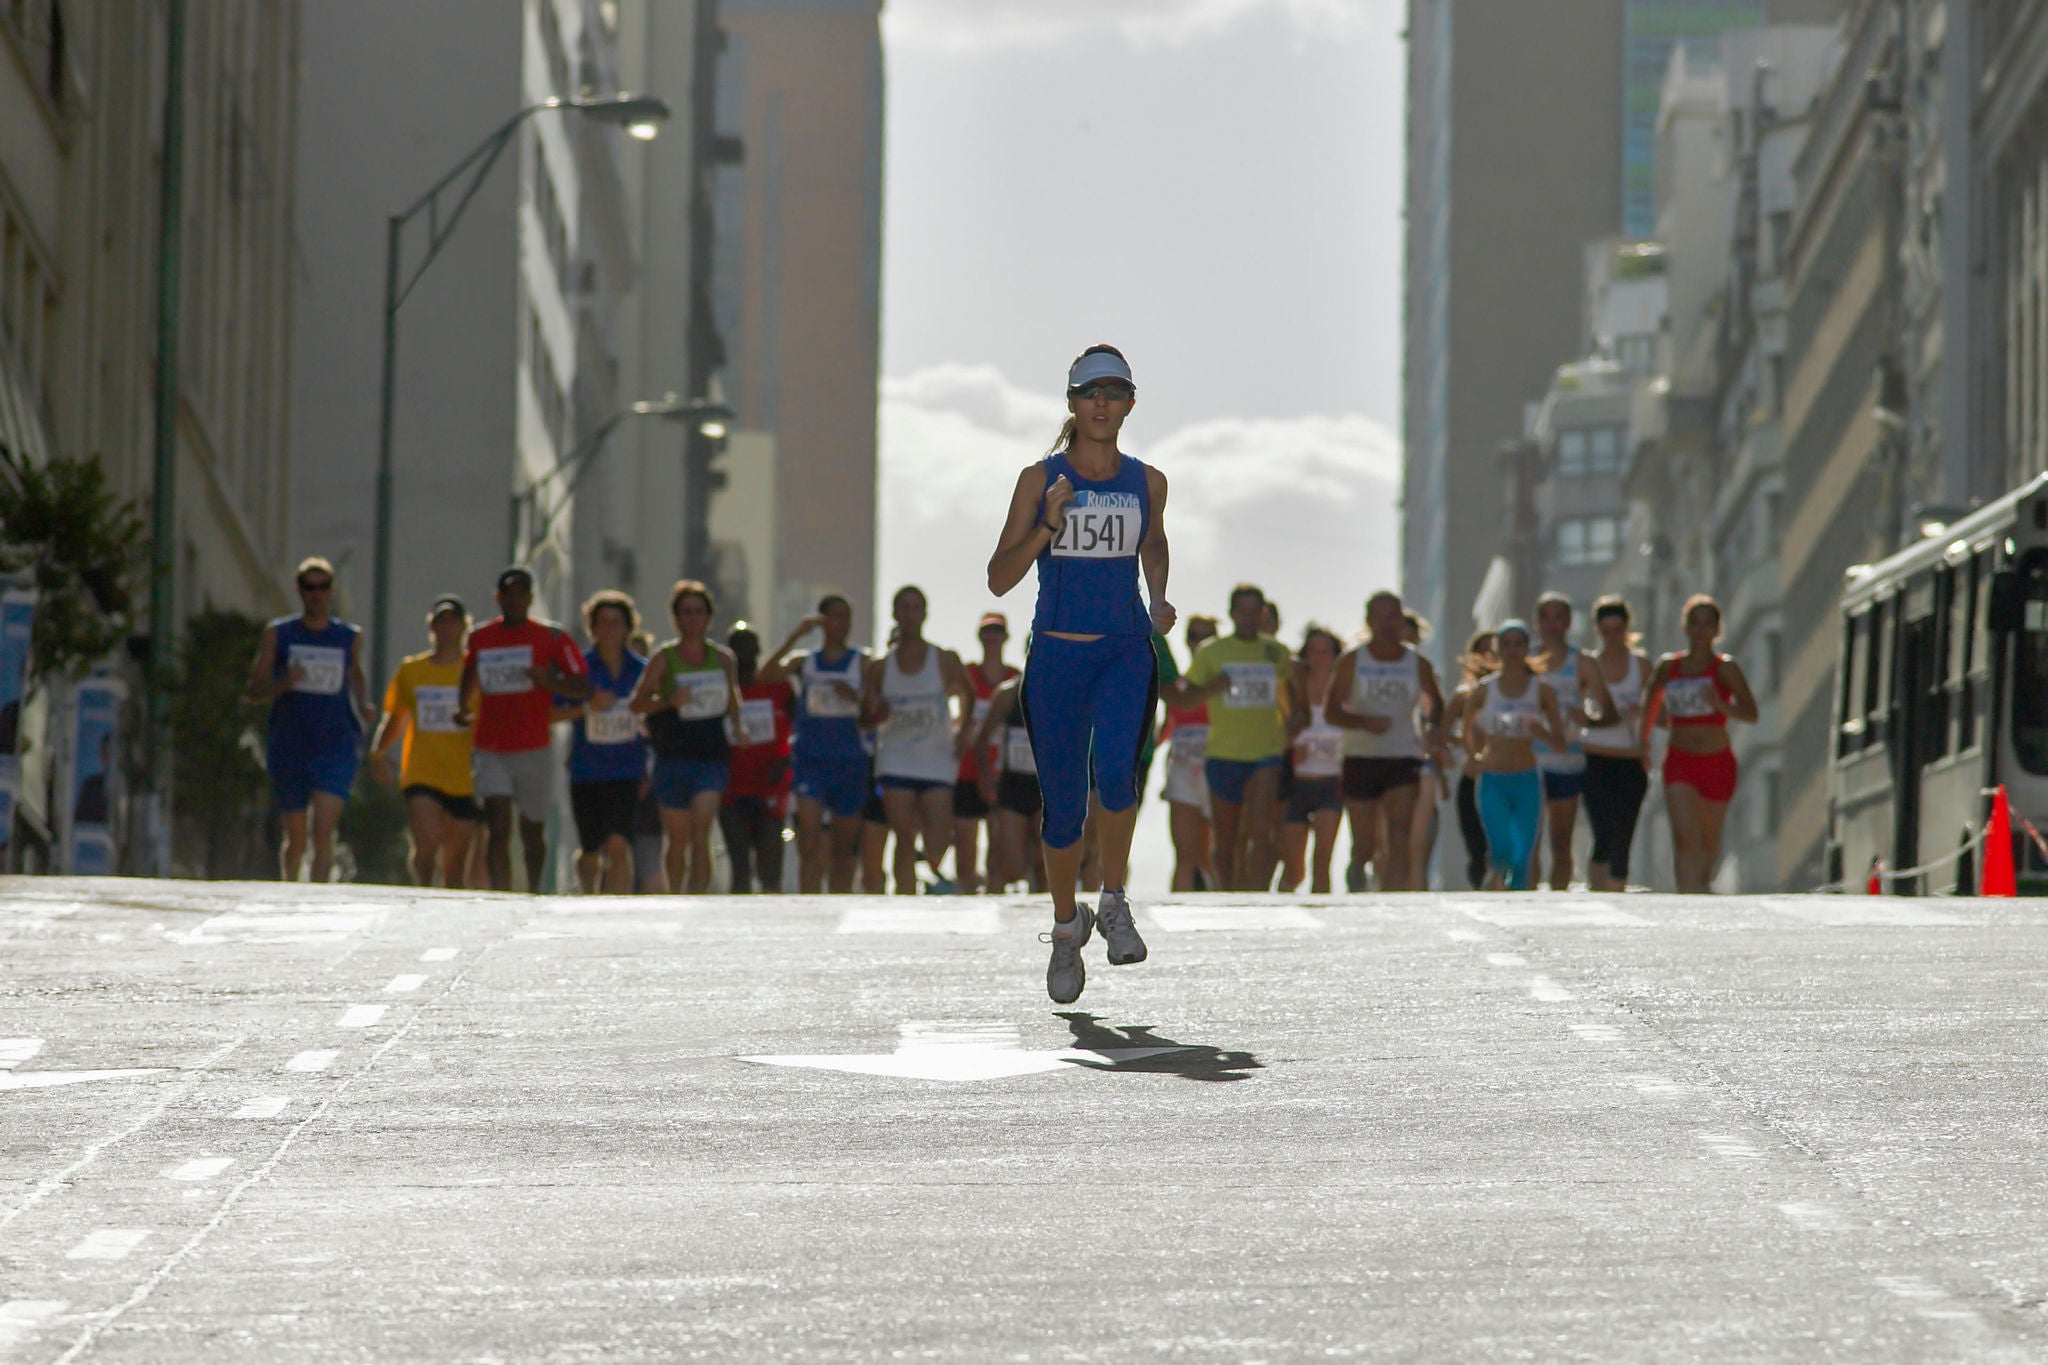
(1100, 526)
(916, 718)
(1252, 686)
(757, 722)
(615, 725)
(433, 710)
(824, 701)
(321, 667)
(1510, 724)
(1017, 755)
(1322, 750)
(1688, 697)
(501, 672)
(701, 696)
(1190, 744)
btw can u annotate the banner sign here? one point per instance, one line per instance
(17, 621)
(90, 786)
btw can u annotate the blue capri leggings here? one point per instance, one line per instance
(1084, 697)
(1510, 806)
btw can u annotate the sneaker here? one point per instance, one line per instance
(1354, 879)
(941, 886)
(1065, 975)
(1118, 932)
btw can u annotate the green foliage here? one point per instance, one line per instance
(221, 794)
(86, 548)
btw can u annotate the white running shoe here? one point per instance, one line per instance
(1065, 975)
(1119, 934)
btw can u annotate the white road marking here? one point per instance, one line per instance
(1818, 1217)
(920, 919)
(20, 1317)
(399, 985)
(108, 1244)
(964, 1052)
(303, 926)
(1730, 1146)
(312, 1061)
(36, 1080)
(1932, 1301)
(1661, 1085)
(360, 1016)
(1542, 912)
(1464, 936)
(263, 1107)
(200, 1168)
(1548, 991)
(1506, 960)
(15, 1051)
(1203, 919)
(1597, 1033)
(1853, 912)
(438, 955)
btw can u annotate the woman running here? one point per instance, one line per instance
(441, 813)
(1476, 664)
(1008, 777)
(829, 764)
(756, 806)
(1617, 764)
(909, 693)
(1316, 805)
(1510, 711)
(688, 692)
(1380, 693)
(1582, 700)
(1186, 736)
(1089, 517)
(970, 808)
(607, 756)
(1435, 787)
(1700, 691)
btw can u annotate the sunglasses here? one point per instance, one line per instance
(1111, 389)
(322, 586)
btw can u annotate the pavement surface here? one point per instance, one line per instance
(251, 1123)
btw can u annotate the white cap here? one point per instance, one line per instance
(1099, 365)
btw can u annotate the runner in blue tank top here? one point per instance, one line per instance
(1089, 517)
(828, 758)
(309, 669)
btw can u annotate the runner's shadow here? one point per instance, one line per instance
(1189, 1061)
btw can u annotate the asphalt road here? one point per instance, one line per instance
(351, 1124)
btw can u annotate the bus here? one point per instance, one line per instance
(1941, 695)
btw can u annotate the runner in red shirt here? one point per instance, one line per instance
(512, 672)
(969, 806)
(756, 803)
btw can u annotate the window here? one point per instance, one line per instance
(2030, 672)
(1585, 451)
(1962, 612)
(1603, 450)
(1855, 665)
(1877, 682)
(1571, 454)
(1584, 541)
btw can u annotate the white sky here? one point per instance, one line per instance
(1212, 185)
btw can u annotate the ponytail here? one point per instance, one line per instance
(1065, 440)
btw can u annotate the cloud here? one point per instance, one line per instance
(1304, 506)
(955, 25)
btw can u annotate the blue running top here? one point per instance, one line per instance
(827, 724)
(1088, 576)
(318, 716)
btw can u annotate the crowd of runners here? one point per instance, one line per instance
(913, 768)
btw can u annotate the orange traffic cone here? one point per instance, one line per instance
(1998, 873)
(1876, 885)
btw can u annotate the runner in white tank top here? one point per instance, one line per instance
(1316, 803)
(1571, 675)
(907, 693)
(1617, 765)
(1381, 692)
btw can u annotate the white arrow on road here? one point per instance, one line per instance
(15, 1051)
(964, 1052)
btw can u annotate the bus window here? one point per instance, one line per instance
(1877, 682)
(1855, 661)
(2030, 668)
(1935, 736)
(1962, 618)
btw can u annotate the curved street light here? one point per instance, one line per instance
(712, 421)
(640, 115)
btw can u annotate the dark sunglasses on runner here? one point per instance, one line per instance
(1111, 389)
(321, 585)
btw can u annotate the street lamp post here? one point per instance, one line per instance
(707, 419)
(640, 115)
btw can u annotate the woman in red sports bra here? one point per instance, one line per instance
(1699, 692)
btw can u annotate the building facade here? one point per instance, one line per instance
(797, 302)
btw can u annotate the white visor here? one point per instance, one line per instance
(1099, 365)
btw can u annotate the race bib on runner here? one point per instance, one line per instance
(501, 672)
(823, 701)
(1017, 755)
(1099, 525)
(322, 667)
(1687, 697)
(1252, 686)
(701, 696)
(615, 725)
(757, 722)
(1190, 744)
(1321, 751)
(433, 710)
(916, 718)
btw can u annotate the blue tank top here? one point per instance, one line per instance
(607, 746)
(1088, 576)
(827, 725)
(318, 715)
